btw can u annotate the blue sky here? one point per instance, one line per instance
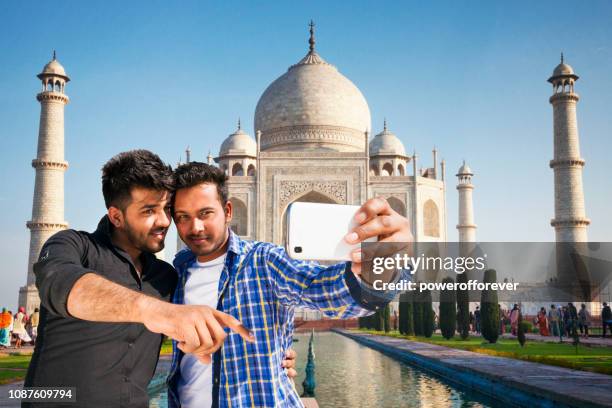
(467, 77)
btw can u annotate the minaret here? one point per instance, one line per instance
(48, 203)
(179, 242)
(570, 220)
(466, 226)
(435, 163)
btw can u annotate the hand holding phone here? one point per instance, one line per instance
(317, 231)
(334, 232)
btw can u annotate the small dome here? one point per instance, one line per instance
(238, 143)
(53, 67)
(465, 170)
(563, 69)
(386, 143)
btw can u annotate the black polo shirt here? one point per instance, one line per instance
(109, 364)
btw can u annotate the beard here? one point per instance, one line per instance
(145, 241)
(209, 245)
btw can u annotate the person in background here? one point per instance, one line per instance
(19, 330)
(583, 321)
(606, 318)
(514, 317)
(573, 326)
(502, 320)
(34, 320)
(566, 321)
(6, 320)
(543, 322)
(477, 319)
(553, 320)
(472, 322)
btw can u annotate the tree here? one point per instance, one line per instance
(489, 309)
(428, 314)
(410, 319)
(386, 315)
(378, 320)
(418, 315)
(448, 311)
(406, 318)
(463, 309)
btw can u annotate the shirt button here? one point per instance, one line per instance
(216, 381)
(131, 345)
(126, 379)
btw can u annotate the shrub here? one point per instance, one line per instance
(406, 325)
(448, 312)
(489, 314)
(428, 314)
(463, 309)
(386, 317)
(418, 314)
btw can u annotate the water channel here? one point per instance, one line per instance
(349, 374)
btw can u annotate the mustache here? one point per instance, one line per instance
(191, 237)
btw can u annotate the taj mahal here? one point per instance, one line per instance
(313, 142)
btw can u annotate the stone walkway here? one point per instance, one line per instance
(514, 382)
(591, 341)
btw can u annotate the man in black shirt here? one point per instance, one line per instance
(104, 295)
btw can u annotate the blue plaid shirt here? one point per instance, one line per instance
(260, 286)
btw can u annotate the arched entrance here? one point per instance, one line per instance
(240, 221)
(310, 197)
(397, 205)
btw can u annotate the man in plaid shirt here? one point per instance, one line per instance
(259, 285)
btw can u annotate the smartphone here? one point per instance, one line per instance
(316, 231)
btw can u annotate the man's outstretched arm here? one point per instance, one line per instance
(337, 290)
(69, 289)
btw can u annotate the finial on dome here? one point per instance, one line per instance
(562, 57)
(54, 58)
(311, 40)
(385, 125)
(239, 123)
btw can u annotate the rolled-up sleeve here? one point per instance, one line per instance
(59, 266)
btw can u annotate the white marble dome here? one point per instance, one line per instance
(465, 170)
(562, 72)
(563, 69)
(53, 67)
(312, 106)
(386, 143)
(238, 143)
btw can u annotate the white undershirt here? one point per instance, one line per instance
(195, 382)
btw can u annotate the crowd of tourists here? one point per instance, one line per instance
(19, 329)
(559, 320)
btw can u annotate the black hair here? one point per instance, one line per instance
(135, 168)
(194, 173)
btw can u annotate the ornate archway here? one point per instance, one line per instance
(240, 218)
(310, 197)
(397, 205)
